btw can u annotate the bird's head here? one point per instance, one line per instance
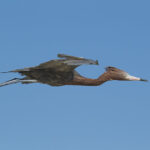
(117, 74)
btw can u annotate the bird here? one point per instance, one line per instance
(60, 72)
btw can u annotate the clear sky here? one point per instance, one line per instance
(114, 116)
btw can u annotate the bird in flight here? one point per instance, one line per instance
(62, 71)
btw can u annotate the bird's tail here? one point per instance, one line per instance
(17, 80)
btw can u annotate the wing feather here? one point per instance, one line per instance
(66, 64)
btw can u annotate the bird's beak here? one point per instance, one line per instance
(133, 78)
(143, 80)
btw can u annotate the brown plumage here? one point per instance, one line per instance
(62, 72)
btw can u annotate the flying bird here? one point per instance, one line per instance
(62, 71)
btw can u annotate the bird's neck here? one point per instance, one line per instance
(80, 80)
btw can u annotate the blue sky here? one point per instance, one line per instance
(112, 116)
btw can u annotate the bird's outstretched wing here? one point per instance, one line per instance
(77, 61)
(66, 63)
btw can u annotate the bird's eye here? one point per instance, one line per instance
(110, 69)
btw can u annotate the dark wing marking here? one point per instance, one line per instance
(66, 64)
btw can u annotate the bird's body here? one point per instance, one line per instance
(61, 72)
